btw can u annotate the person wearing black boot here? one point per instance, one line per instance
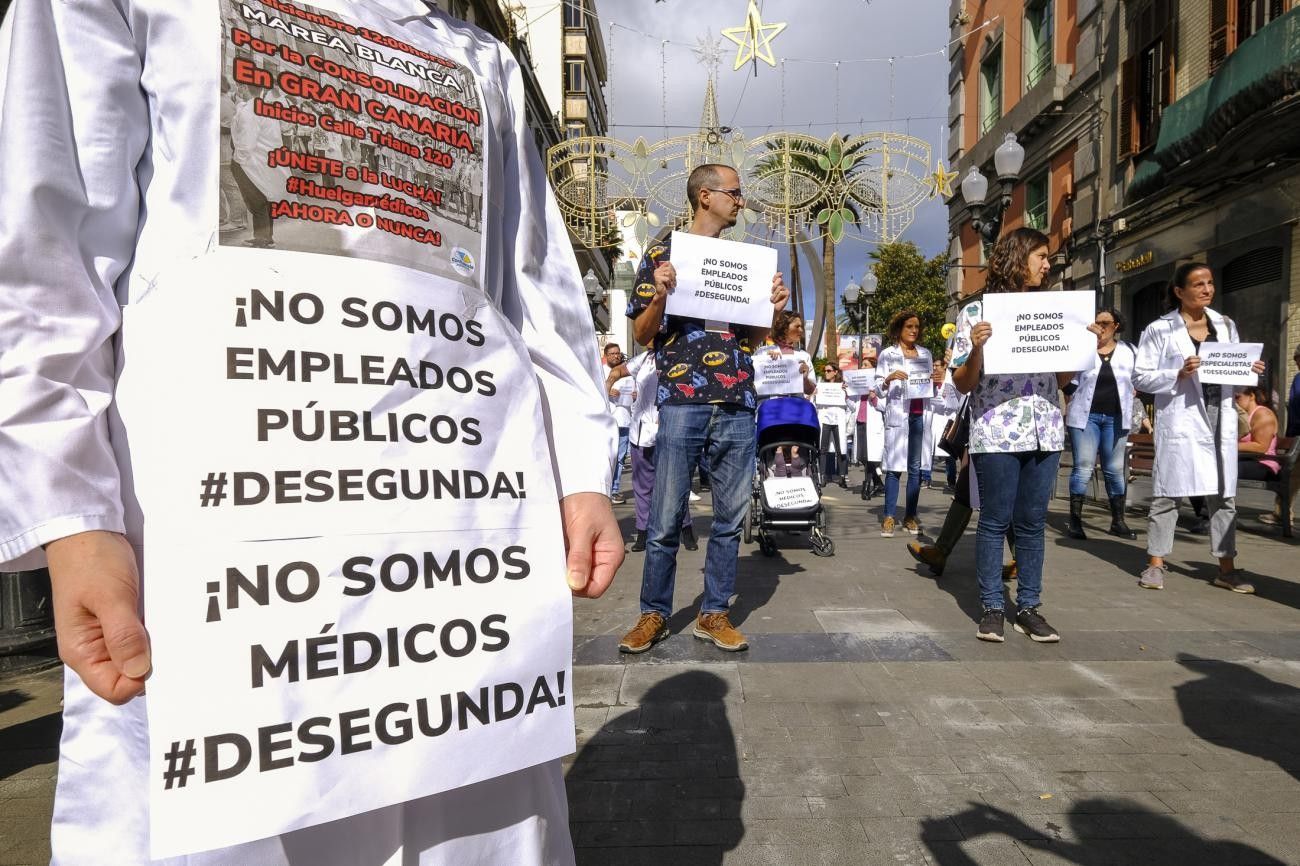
(1098, 420)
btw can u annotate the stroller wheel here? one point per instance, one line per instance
(767, 544)
(822, 546)
(749, 524)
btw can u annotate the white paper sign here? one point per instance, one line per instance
(1229, 363)
(790, 493)
(776, 376)
(722, 280)
(859, 382)
(357, 548)
(920, 382)
(626, 388)
(1039, 332)
(830, 394)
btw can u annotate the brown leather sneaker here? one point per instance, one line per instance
(717, 627)
(648, 631)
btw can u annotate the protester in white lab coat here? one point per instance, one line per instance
(940, 410)
(1196, 425)
(620, 387)
(109, 184)
(904, 418)
(1098, 419)
(870, 434)
(834, 418)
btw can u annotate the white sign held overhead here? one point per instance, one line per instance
(1039, 332)
(721, 280)
(1229, 363)
(777, 376)
(859, 382)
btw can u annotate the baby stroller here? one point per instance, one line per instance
(787, 482)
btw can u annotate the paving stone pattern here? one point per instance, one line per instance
(866, 725)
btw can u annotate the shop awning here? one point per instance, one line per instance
(1148, 178)
(1263, 69)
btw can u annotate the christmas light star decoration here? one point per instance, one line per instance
(941, 181)
(754, 38)
(708, 52)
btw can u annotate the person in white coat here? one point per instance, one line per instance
(939, 410)
(832, 413)
(870, 433)
(904, 418)
(1196, 425)
(1098, 419)
(109, 217)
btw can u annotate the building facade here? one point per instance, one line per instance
(1207, 163)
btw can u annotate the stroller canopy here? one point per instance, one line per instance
(787, 419)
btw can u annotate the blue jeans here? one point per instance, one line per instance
(724, 434)
(1102, 432)
(915, 442)
(1014, 492)
(623, 440)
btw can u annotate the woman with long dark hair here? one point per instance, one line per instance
(1098, 420)
(1196, 430)
(904, 417)
(1016, 437)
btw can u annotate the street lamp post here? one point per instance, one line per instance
(857, 302)
(986, 219)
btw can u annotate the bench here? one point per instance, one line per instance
(1142, 458)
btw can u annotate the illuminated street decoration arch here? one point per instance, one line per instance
(864, 187)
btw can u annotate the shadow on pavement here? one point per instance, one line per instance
(29, 744)
(663, 774)
(1238, 708)
(757, 579)
(1111, 832)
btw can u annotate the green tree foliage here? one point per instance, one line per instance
(909, 281)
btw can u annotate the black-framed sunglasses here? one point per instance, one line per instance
(736, 194)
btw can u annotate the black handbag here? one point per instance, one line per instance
(956, 433)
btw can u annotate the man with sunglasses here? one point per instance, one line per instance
(706, 408)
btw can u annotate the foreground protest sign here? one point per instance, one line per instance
(722, 280)
(777, 376)
(1229, 363)
(920, 384)
(372, 585)
(859, 382)
(1039, 332)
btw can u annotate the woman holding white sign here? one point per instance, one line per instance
(832, 412)
(1016, 437)
(1196, 433)
(905, 415)
(1098, 420)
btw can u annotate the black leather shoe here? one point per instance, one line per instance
(688, 539)
(638, 544)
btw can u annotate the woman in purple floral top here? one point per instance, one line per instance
(1016, 437)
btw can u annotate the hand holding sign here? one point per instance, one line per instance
(1037, 332)
(724, 281)
(1228, 363)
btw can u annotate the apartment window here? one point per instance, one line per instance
(574, 76)
(1254, 14)
(573, 13)
(1037, 213)
(991, 87)
(1038, 41)
(1147, 76)
(575, 130)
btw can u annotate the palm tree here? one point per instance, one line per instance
(832, 165)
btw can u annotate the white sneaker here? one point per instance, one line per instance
(694, 497)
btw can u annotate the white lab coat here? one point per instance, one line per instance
(894, 395)
(109, 158)
(1186, 457)
(645, 406)
(1122, 362)
(942, 407)
(836, 417)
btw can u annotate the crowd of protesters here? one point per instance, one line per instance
(1014, 429)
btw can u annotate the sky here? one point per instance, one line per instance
(821, 31)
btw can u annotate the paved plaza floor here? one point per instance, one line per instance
(867, 725)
